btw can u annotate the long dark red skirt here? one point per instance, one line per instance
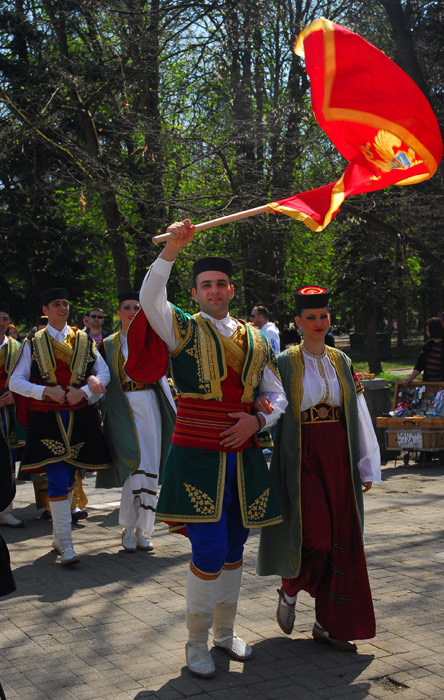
(333, 568)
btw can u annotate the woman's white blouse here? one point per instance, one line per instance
(320, 383)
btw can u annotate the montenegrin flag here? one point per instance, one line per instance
(374, 114)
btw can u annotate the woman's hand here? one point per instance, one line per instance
(95, 385)
(263, 405)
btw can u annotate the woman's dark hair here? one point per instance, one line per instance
(434, 327)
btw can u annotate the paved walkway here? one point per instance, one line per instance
(113, 626)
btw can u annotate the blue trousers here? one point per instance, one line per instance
(214, 544)
(60, 475)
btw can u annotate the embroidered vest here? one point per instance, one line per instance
(207, 365)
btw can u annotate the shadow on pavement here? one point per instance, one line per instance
(290, 669)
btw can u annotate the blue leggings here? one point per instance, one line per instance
(214, 544)
(61, 475)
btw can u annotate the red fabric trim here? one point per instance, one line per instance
(147, 353)
(199, 423)
(203, 574)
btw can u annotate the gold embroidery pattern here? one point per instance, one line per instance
(84, 353)
(235, 348)
(75, 449)
(259, 357)
(43, 355)
(54, 446)
(258, 508)
(3, 351)
(201, 501)
(13, 354)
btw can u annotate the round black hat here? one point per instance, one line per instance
(4, 306)
(213, 263)
(312, 296)
(124, 296)
(54, 293)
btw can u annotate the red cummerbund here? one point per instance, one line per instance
(46, 405)
(199, 423)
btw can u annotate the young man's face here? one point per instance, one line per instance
(4, 323)
(256, 318)
(57, 312)
(213, 292)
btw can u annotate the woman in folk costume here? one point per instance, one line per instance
(326, 456)
(64, 428)
(138, 426)
(14, 433)
(216, 479)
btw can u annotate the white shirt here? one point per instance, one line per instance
(271, 332)
(20, 384)
(4, 341)
(320, 383)
(153, 299)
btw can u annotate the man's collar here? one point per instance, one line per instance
(226, 319)
(54, 331)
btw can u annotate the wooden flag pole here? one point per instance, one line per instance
(218, 222)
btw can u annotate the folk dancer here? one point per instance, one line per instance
(326, 456)
(14, 434)
(64, 431)
(138, 426)
(216, 479)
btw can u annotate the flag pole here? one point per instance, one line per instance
(218, 222)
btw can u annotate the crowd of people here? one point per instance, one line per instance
(181, 400)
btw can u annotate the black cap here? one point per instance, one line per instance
(213, 263)
(312, 296)
(124, 296)
(4, 306)
(55, 293)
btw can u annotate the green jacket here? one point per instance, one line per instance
(280, 548)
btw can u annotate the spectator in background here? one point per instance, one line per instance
(260, 318)
(431, 357)
(12, 332)
(95, 330)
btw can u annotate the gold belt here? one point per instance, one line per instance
(136, 386)
(320, 413)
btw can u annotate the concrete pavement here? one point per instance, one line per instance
(113, 626)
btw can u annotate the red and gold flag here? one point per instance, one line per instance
(374, 114)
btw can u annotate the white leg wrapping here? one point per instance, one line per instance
(200, 601)
(61, 519)
(224, 635)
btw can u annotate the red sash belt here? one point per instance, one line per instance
(47, 404)
(199, 423)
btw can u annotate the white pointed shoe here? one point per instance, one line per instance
(69, 556)
(199, 659)
(143, 542)
(129, 543)
(235, 647)
(7, 519)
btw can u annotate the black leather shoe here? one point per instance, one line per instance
(78, 515)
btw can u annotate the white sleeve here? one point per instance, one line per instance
(272, 388)
(19, 382)
(101, 371)
(370, 462)
(153, 299)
